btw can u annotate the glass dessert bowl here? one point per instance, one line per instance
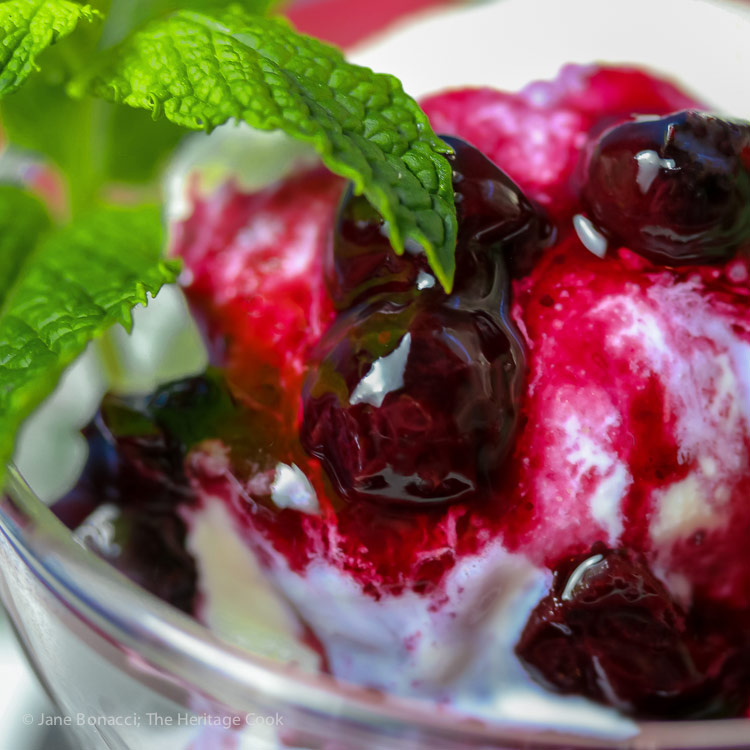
(360, 617)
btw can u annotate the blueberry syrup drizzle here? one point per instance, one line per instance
(481, 461)
(536, 135)
(411, 395)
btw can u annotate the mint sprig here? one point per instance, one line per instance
(200, 71)
(73, 285)
(27, 28)
(199, 66)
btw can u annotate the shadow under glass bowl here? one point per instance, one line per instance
(134, 673)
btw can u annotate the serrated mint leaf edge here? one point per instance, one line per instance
(441, 255)
(42, 31)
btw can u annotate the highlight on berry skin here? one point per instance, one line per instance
(675, 189)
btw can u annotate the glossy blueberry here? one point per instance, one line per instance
(674, 189)
(610, 630)
(413, 403)
(494, 219)
(412, 395)
(127, 502)
(125, 508)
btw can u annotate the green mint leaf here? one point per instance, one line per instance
(94, 142)
(79, 281)
(23, 219)
(200, 71)
(27, 28)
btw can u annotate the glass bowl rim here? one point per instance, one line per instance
(172, 640)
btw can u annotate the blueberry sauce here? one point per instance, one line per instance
(610, 630)
(675, 189)
(552, 400)
(413, 404)
(537, 134)
(125, 509)
(498, 227)
(255, 285)
(412, 393)
(126, 504)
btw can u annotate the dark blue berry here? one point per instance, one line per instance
(610, 630)
(413, 394)
(136, 467)
(413, 403)
(494, 219)
(674, 189)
